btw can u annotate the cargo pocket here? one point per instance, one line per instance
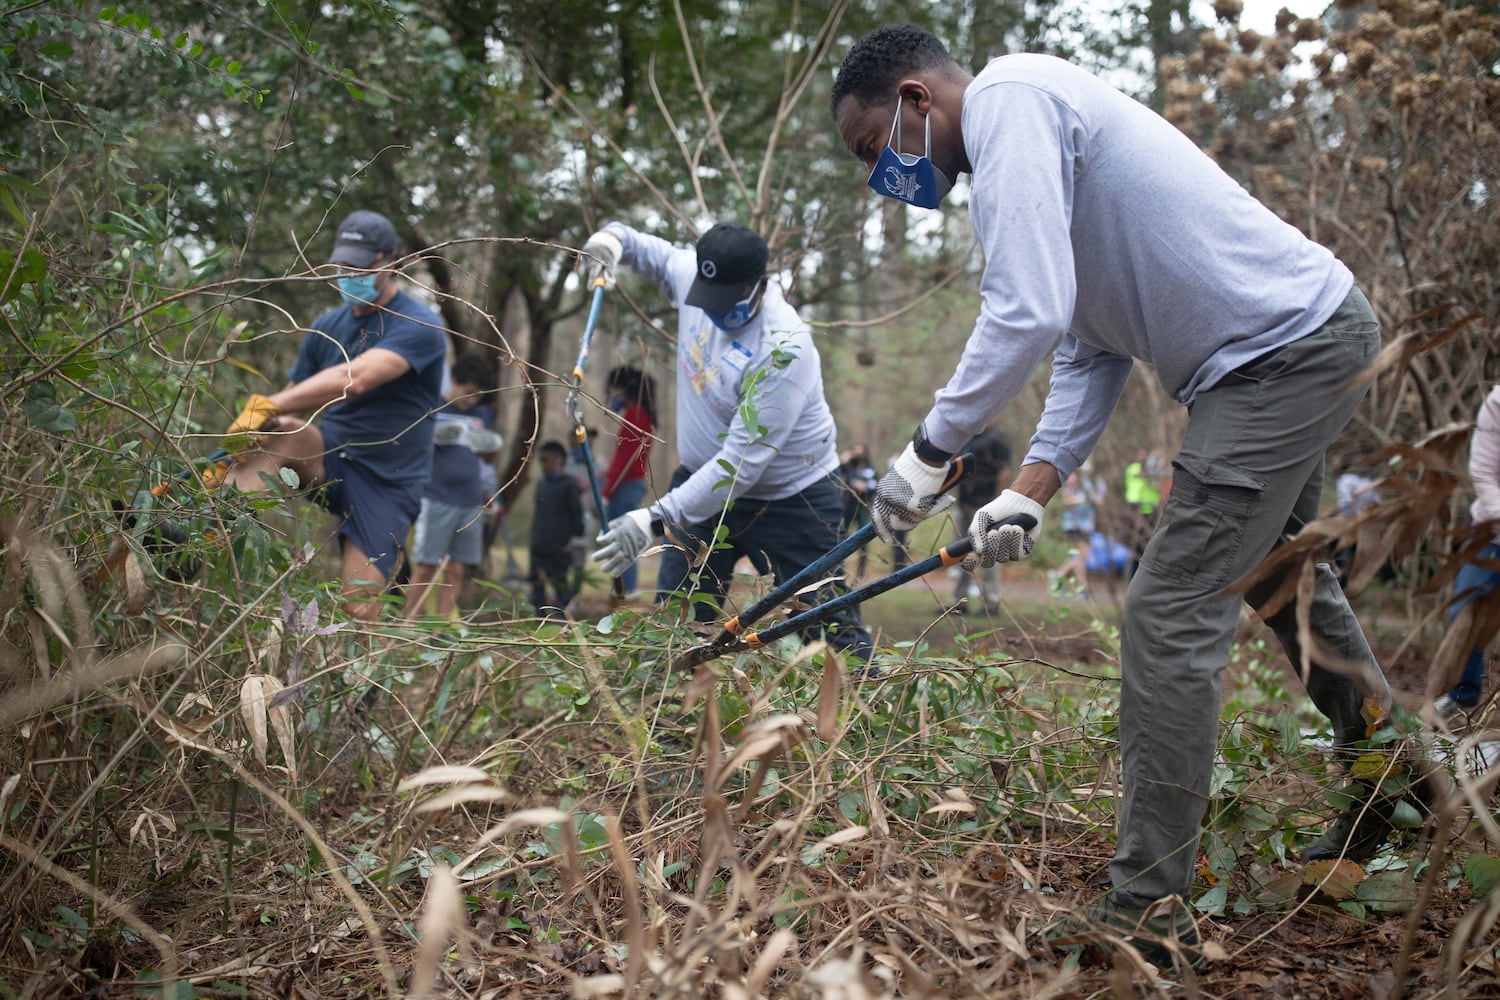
(1203, 524)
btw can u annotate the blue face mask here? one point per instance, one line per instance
(739, 314)
(358, 289)
(908, 177)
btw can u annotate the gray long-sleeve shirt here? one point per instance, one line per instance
(751, 417)
(1108, 237)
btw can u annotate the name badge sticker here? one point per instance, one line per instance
(737, 357)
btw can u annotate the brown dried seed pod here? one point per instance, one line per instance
(1427, 11)
(1481, 44)
(1281, 132)
(1456, 22)
(1377, 27)
(1308, 29)
(1361, 57)
(1427, 38)
(1228, 11)
(1249, 40)
(1276, 55)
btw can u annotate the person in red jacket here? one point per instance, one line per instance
(632, 396)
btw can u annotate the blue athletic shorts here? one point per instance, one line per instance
(374, 514)
(445, 529)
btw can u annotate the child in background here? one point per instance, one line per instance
(556, 520)
(450, 524)
(1081, 494)
(632, 395)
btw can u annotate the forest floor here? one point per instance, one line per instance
(917, 914)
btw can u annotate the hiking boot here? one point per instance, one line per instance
(1361, 830)
(1164, 933)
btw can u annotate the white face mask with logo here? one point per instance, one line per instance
(908, 177)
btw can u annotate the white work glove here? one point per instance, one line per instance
(910, 492)
(622, 543)
(1007, 543)
(483, 441)
(605, 248)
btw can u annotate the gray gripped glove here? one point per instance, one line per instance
(622, 543)
(1008, 542)
(910, 492)
(605, 249)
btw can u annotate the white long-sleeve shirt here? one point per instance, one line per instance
(1484, 460)
(1108, 237)
(751, 417)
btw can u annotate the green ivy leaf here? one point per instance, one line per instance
(1405, 816)
(51, 417)
(1214, 900)
(1483, 873)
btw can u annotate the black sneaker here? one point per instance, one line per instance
(1164, 933)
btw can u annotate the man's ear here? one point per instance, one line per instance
(917, 92)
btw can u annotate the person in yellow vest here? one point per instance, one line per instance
(1141, 498)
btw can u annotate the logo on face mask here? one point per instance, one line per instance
(901, 185)
(738, 314)
(907, 177)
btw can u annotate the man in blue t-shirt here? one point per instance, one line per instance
(451, 523)
(371, 371)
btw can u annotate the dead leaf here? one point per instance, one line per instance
(256, 693)
(828, 700)
(443, 774)
(442, 921)
(1337, 878)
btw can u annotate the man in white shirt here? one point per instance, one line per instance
(754, 434)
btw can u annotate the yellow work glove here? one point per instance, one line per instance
(258, 412)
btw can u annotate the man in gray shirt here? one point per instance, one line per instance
(754, 433)
(1109, 238)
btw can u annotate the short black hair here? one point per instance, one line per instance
(877, 62)
(474, 368)
(553, 448)
(637, 387)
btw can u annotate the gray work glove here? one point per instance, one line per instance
(605, 249)
(910, 492)
(622, 543)
(1006, 543)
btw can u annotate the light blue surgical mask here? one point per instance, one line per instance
(358, 289)
(908, 177)
(738, 314)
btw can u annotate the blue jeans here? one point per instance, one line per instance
(777, 536)
(1473, 581)
(626, 498)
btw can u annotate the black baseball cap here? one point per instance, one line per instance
(362, 237)
(730, 256)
